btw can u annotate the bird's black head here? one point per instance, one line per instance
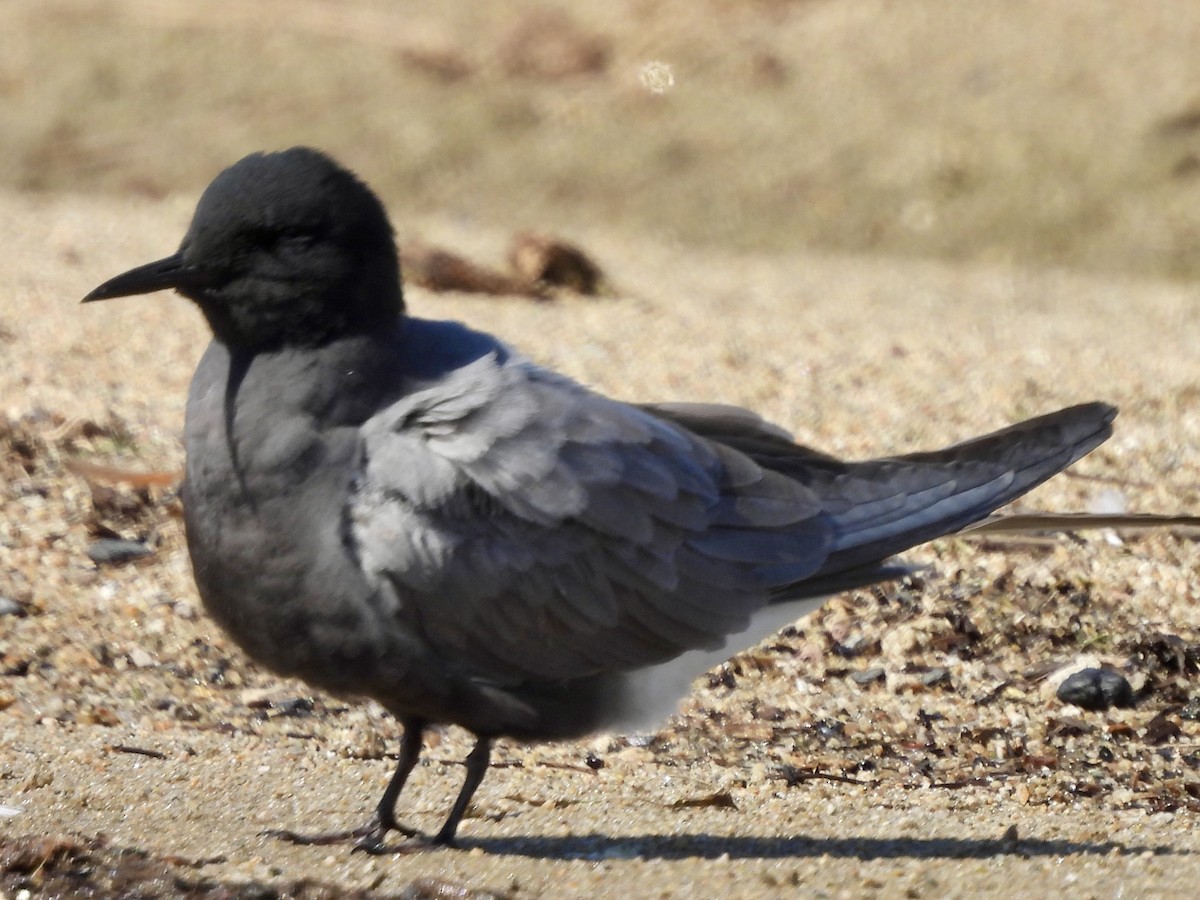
(284, 249)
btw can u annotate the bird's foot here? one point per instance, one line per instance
(370, 839)
(367, 839)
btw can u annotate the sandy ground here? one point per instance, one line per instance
(984, 785)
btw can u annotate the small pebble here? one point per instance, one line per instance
(140, 659)
(112, 551)
(852, 646)
(866, 676)
(1096, 689)
(935, 676)
(10, 607)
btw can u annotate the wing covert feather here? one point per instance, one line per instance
(531, 529)
(553, 532)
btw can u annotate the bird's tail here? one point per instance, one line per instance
(885, 506)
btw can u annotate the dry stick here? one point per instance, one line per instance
(137, 751)
(1024, 523)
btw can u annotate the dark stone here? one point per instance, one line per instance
(1096, 689)
(866, 676)
(114, 552)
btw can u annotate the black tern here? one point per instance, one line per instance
(409, 510)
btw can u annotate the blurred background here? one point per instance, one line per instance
(1063, 134)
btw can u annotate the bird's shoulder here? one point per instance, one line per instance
(478, 418)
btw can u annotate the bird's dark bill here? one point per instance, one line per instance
(155, 276)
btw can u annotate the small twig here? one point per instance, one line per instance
(104, 473)
(977, 781)
(1107, 479)
(796, 776)
(518, 764)
(195, 863)
(137, 751)
(1035, 522)
(570, 767)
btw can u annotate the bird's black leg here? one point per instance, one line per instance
(370, 836)
(477, 766)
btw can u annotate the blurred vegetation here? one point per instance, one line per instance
(1048, 134)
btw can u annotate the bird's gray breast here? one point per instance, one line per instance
(252, 441)
(266, 484)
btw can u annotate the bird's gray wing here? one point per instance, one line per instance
(884, 506)
(539, 529)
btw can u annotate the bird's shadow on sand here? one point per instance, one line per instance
(706, 846)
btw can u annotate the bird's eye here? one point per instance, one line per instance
(294, 239)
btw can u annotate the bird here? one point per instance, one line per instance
(409, 510)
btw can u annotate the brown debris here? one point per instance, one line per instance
(1163, 727)
(542, 259)
(21, 448)
(98, 473)
(441, 270)
(717, 799)
(67, 867)
(539, 265)
(549, 45)
(443, 63)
